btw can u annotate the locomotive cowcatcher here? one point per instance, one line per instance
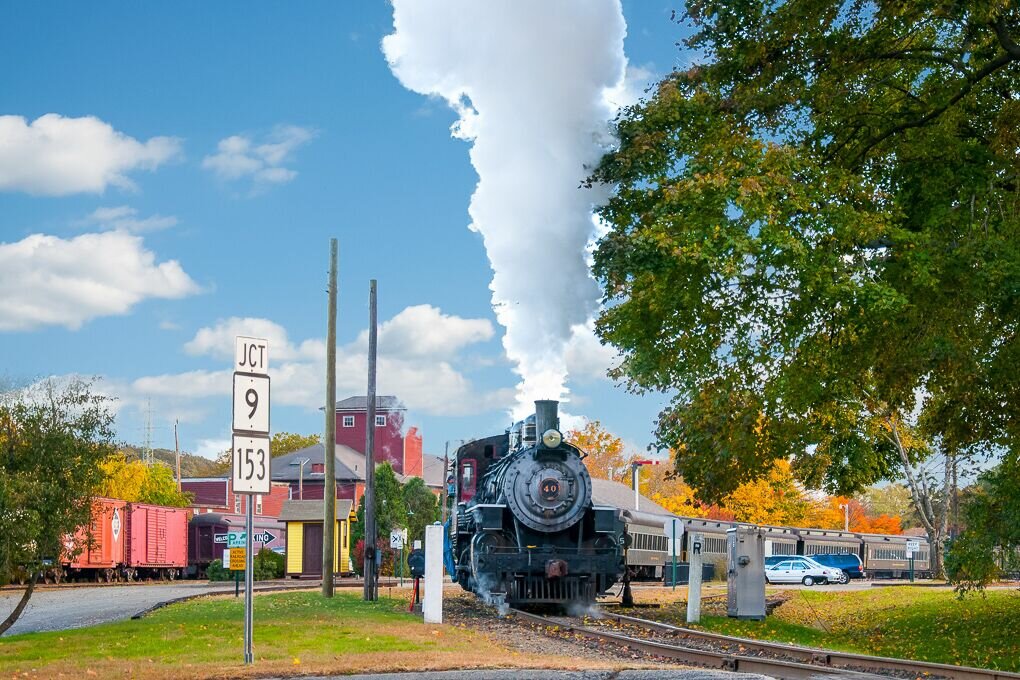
(525, 530)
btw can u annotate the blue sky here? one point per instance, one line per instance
(227, 143)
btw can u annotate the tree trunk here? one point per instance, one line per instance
(16, 614)
(936, 522)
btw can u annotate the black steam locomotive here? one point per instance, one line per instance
(525, 530)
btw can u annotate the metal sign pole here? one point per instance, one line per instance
(249, 576)
(251, 464)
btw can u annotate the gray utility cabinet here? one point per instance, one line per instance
(745, 577)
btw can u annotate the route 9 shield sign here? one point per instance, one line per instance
(251, 464)
(251, 403)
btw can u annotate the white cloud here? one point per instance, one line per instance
(125, 218)
(212, 448)
(47, 280)
(417, 352)
(423, 330)
(56, 156)
(218, 340)
(239, 156)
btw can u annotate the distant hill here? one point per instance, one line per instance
(191, 465)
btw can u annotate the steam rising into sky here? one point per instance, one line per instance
(533, 83)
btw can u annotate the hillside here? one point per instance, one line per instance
(191, 465)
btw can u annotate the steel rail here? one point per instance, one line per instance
(822, 656)
(776, 668)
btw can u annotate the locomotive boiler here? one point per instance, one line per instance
(525, 529)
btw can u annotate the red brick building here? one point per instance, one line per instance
(216, 495)
(392, 445)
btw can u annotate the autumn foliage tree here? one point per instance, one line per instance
(134, 481)
(606, 455)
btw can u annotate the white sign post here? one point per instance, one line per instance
(913, 545)
(432, 607)
(251, 459)
(694, 559)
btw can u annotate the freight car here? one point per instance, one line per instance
(525, 530)
(128, 541)
(207, 533)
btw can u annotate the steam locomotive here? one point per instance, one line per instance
(525, 530)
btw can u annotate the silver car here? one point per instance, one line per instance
(800, 570)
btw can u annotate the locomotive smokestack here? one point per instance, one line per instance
(546, 416)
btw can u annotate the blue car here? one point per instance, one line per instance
(849, 563)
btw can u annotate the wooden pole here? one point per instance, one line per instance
(370, 590)
(329, 441)
(177, 455)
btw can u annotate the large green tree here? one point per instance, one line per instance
(815, 233)
(422, 508)
(53, 437)
(990, 544)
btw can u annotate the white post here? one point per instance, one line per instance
(694, 578)
(637, 496)
(432, 605)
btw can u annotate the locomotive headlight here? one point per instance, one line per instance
(552, 438)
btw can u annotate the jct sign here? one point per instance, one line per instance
(250, 443)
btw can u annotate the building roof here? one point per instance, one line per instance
(606, 492)
(311, 511)
(432, 470)
(284, 471)
(382, 403)
(350, 465)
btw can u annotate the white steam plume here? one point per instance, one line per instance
(530, 80)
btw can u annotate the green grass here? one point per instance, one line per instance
(924, 624)
(294, 633)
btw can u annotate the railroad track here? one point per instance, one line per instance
(755, 656)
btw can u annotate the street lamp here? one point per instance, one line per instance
(301, 477)
(635, 466)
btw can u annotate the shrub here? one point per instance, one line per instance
(268, 565)
(216, 572)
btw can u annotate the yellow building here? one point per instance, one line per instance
(304, 537)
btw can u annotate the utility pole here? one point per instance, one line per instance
(845, 507)
(329, 443)
(177, 455)
(370, 530)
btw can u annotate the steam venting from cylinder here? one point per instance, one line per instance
(546, 416)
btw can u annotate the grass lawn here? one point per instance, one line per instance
(295, 633)
(924, 624)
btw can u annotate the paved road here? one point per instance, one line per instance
(62, 608)
(687, 674)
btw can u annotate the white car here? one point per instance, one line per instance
(800, 570)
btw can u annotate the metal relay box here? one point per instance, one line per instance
(745, 578)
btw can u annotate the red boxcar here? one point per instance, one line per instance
(157, 540)
(102, 557)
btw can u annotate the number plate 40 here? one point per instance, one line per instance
(251, 461)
